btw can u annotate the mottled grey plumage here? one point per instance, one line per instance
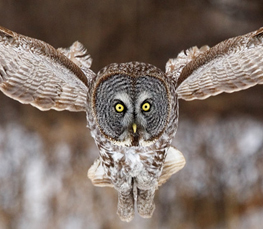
(132, 108)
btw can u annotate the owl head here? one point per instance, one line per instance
(131, 103)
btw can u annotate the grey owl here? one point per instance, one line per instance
(132, 108)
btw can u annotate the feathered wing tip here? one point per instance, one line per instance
(98, 176)
(33, 72)
(174, 66)
(79, 55)
(174, 162)
(232, 65)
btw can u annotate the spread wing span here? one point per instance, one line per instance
(232, 65)
(33, 72)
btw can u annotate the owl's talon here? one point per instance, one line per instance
(126, 205)
(146, 211)
(124, 216)
(145, 204)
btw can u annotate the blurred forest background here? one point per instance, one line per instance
(45, 156)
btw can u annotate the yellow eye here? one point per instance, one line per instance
(146, 106)
(119, 107)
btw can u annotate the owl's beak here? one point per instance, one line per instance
(134, 127)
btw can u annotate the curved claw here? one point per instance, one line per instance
(126, 205)
(145, 202)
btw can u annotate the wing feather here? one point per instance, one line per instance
(232, 65)
(33, 72)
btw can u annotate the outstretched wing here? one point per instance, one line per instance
(232, 65)
(33, 72)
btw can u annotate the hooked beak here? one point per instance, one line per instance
(134, 127)
(135, 135)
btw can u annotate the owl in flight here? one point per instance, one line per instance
(132, 108)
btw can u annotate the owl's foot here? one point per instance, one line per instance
(126, 205)
(145, 204)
